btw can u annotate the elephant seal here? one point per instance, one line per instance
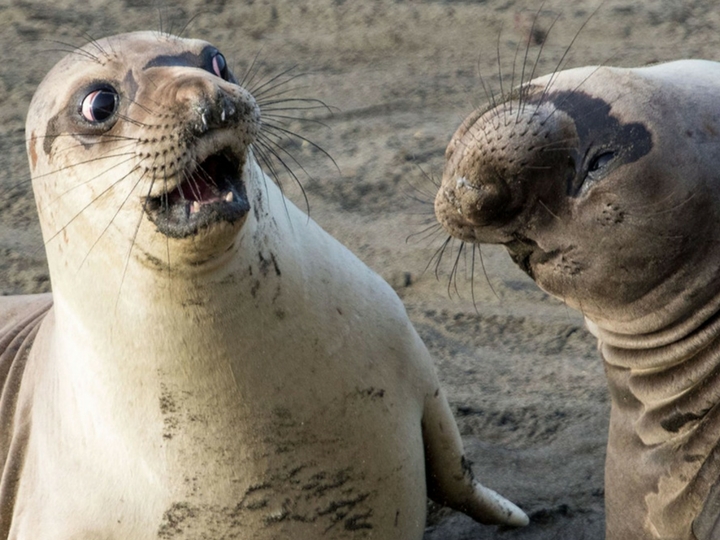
(211, 364)
(604, 185)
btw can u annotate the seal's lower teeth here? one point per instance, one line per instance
(229, 196)
(194, 207)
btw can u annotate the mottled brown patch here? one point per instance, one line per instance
(32, 150)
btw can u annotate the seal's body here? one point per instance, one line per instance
(211, 364)
(604, 184)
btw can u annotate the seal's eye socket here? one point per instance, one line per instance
(599, 161)
(99, 105)
(219, 66)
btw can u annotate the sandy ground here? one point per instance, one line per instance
(521, 372)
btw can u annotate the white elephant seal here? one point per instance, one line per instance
(604, 184)
(211, 364)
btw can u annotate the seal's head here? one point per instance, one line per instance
(143, 139)
(597, 182)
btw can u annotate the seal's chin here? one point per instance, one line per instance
(214, 192)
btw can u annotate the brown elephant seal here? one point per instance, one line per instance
(211, 364)
(604, 185)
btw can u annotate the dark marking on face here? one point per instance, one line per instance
(187, 58)
(69, 120)
(52, 130)
(32, 150)
(675, 422)
(599, 132)
(130, 85)
(202, 60)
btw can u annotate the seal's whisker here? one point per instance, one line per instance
(499, 67)
(421, 195)
(267, 144)
(69, 48)
(88, 205)
(560, 63)
(452, 281)
(112, 219)
(101, 158)
(250, 72)
(63, 194)
(540, 201)
(575, 90)
(429, 231)
(419, 200)
(130, 143)
(317, 103)
(275, 127)
(430, 178)
(487, 277)
(525, 59)
(540, 50)
(472, 278)
(133, 121)
(283, 118)
(514, 67)
(489, 94)
(94, 42)
(278, 96)
(23, 139)
(268, 85)
(134, 237)
(662, 201)
(437, 253)
(144, 108)
(267, 109)
(260, 151)
(191, 20)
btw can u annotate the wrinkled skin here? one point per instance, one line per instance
(604, 186)
(210, 363)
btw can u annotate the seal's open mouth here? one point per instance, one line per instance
(212, 193)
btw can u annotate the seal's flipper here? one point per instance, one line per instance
(20, 318)
(450, 480)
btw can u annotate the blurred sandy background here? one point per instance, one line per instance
(521, 371)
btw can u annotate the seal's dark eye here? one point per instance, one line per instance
(219, 66)
(599, 161)
(99, 105)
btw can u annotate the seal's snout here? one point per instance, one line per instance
(217, 104)
(217, 121)
(494, 171)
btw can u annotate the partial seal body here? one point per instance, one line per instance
(211, 364)
(604, 186)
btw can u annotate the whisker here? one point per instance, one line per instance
(268, 85)
(85, 182)
(305, 139)
(265, 142)
(88, 205)
(431, 230)
(113, 217)
(69, 48)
